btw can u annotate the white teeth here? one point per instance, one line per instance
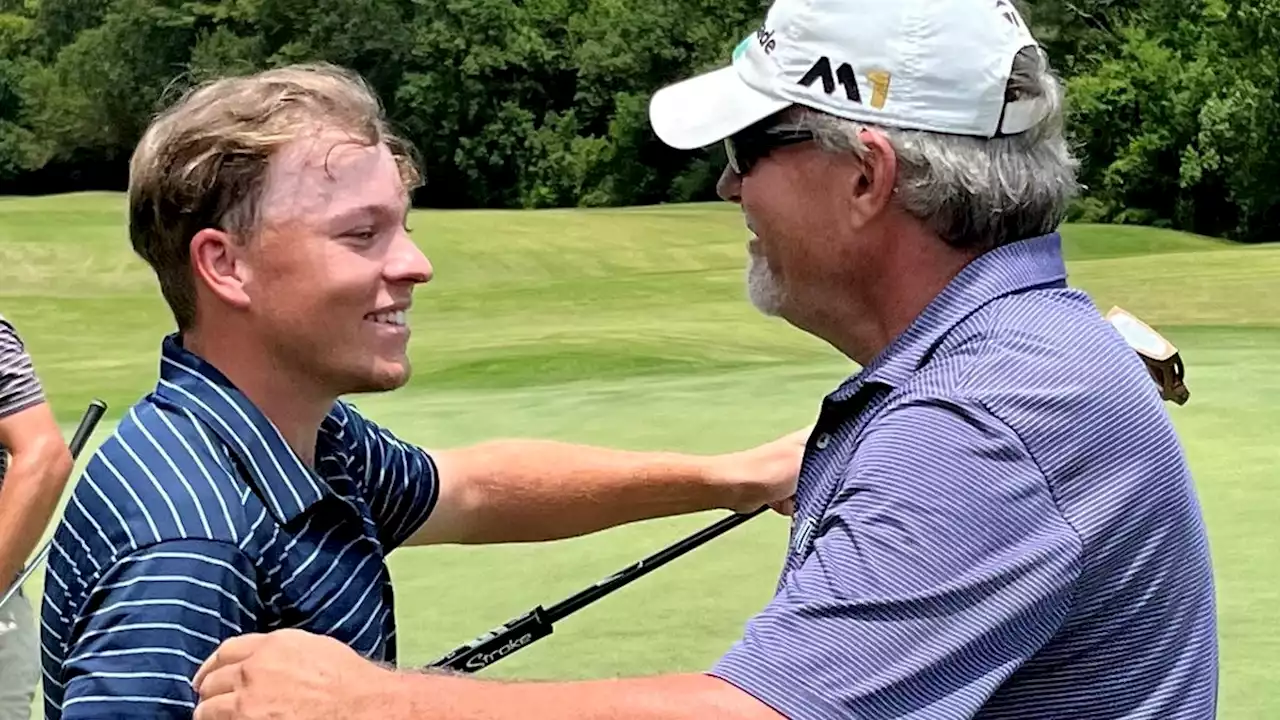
(390, 318)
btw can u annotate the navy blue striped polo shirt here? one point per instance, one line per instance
(195, 522)
(994, 519)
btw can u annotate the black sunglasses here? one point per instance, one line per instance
(747, 147)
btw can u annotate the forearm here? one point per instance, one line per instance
(672, 697)
(532, 490)
(29, 496)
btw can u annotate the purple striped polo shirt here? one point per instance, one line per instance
(994, 519)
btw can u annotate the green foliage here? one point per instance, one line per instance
(20, 147)
(1178, 124)
(543, 103)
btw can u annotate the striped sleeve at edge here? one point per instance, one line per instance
(19, 386)
(148, 624)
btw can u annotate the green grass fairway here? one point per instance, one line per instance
(630, 328)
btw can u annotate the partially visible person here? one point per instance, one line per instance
(995, 517)
(35, 465)
(243, 494)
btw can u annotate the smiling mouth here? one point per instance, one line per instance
(395, 318)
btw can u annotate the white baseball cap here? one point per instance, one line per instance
(936, 65)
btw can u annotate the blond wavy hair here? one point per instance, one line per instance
(203, 161)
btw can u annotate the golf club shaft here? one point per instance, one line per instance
(576, 602)
(536, 624)
(78, 440)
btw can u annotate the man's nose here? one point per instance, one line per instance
(407, 262)
(729, 187)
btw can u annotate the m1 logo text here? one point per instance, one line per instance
(844, 75)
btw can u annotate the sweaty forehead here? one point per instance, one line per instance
(322, 174)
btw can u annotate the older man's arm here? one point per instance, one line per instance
(689, 696)
(248, 676)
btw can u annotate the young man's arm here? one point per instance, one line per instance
(538, 490)
(39, 462)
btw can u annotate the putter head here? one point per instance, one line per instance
(1158, 354)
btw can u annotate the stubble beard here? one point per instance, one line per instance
(763, 287)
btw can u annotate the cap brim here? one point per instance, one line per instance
(708, 108)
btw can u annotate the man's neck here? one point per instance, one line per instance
(294, 407)
(893, 288)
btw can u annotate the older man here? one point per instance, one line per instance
(994, 518)
(34, 467)
(242, 495)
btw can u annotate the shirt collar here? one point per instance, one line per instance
(1036, 262)
(187, 381)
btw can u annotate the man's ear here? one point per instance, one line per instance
(874, 178)
(217, 262)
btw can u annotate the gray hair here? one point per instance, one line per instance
(976, 193)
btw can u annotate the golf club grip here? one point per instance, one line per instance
(88, 422)
(497, 643)
(538, 623)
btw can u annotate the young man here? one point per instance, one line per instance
(995, 518)
(35, 464)
(242, 495)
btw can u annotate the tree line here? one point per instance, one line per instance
(539, 103)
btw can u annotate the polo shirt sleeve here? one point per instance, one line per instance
(148, 624)
(19, 387)
(399, 480)
(941, 564)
